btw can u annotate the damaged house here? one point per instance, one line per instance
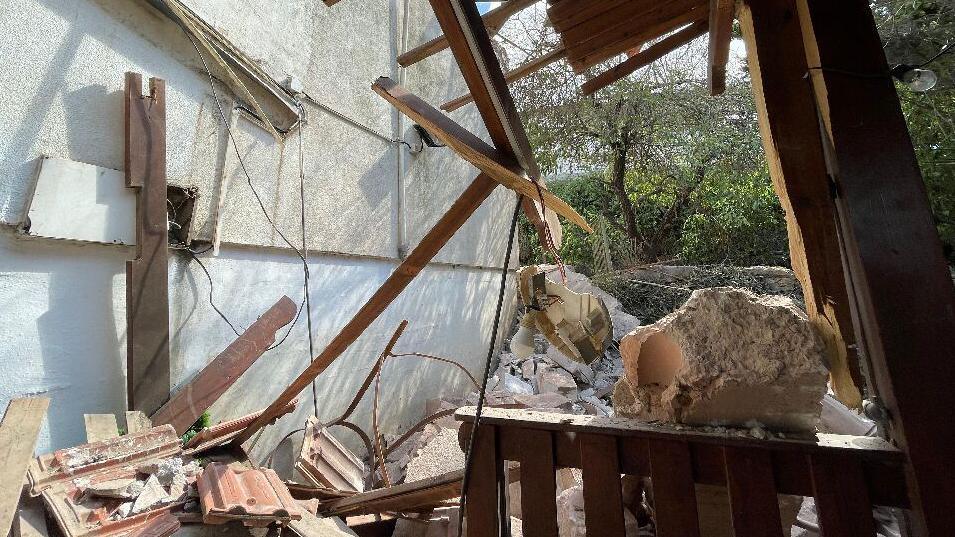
(255, 280)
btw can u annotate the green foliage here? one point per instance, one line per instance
(664, 171)
(205, 420)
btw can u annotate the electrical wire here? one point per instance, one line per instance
(211, 302)
(306, 302)
(468, 459)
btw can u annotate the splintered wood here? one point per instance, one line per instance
(18, 435)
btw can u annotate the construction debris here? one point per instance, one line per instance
(577, 324)
(728, 357)
(257, 497)
(326, 462)
(18, 434)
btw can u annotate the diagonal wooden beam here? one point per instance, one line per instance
(440, 234)
(471, 45)
(493, 20)
(645, 57)
(513, 75)
(499, 166)
(721, 32)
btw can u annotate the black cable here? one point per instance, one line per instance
(211, 303)
(255, 193)
(946, 49)
(487, 366)
(308, 302)
(235, 145)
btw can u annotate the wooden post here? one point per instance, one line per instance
(792, 142)
(147, 284)
(901, 283)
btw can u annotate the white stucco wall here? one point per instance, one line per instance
(62, 305)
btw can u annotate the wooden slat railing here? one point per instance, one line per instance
(847, 475)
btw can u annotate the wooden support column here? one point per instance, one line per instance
(792, 142)
(901, 283)
(147, 293)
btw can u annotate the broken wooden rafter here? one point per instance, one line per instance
(722, 13)
(472, 48)
(513, 75)
(185, 407)
(147, 283)
(18, 434)
(210, 437)
(471, 148)
(404, 497)
(794, 151)
(493, 21)
(663, 18)
(504, 126)
(899, 277)
(645, 57)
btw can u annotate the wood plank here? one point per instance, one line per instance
(645, 57)
(513, 75)
(603, 498)
(842, 498)
(18, 435)
(900, 280)
(674, 494)
(136, 421)
(792, 143)
(752, 492)
(471, 148)
(399, 497)
(471, 45)
(625, 35)
(191, 400)
(569, 13)
(147, 282)
(481, 496)
(721, 33)
(538, 484)
(100, 427)
(493, 20)
(440, 234)
(882, 464)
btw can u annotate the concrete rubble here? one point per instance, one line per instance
(728, 357)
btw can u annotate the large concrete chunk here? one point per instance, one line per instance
(727, 357)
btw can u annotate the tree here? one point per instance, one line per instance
(665, 153)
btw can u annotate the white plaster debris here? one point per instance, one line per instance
(153, 495)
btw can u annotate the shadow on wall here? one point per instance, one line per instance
(66, 330)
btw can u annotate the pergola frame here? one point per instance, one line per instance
(862, 236)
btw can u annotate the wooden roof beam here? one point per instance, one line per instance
(493, 20)
(668, 18)
(645, 57)
(569, 13)
(513, 75)
(471, 45)
(722, 13)
(499, 166)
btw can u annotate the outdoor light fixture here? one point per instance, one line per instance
(916, 78)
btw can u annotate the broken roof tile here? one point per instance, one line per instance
(326, 462)
(71, 463)
(255, 496)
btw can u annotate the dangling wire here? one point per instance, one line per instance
(548, 238)
(487, 367)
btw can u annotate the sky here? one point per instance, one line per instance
(484, 6)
